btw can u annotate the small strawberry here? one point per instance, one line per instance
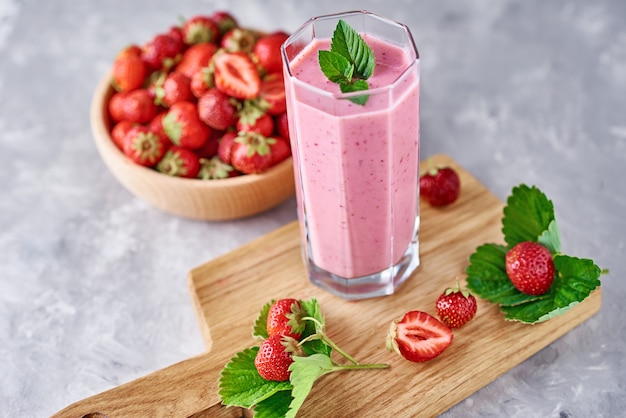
(285, 318)
(172, 88)
(238, 40)
(236, 75)
(440, 186)
(200, 29)
(179, 162)
(251, 153)
(119, 131)
(275, 356)
(129, 70)
(143, 146)
(183, 126)
(156, 126)
(263, 124)
(162, 52)
(282, 125)
(217, 109)
(267, 51)
(530, 268)
(273, 92)
(135, 106)
(209, 149)
(418, 336)
(225, 146)
(280, 150)
(214, 169)
(195, 58)
(224, 21)
(456, 307)
(202, 81)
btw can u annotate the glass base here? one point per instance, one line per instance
(382, 283)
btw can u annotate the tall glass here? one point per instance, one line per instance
(356, 166)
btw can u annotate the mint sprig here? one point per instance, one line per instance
(529, 216)
(241, 385)
(349, 62)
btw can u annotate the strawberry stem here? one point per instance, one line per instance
(320, 334)
(361, 366)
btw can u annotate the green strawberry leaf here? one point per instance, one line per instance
(276, 406)
(527, 215)
(260, 325)
(335, 67)
(304, 372)
(315, 346)
(241, 385)
(551, 238)
(348, 43)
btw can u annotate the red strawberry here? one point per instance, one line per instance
(225, 146)
(273, 92)
(456, 307)
(202, 81)
(156, 126)
(440, 186)
(183, 126)
(135, 106)
(251, 153)
(163, 51)
(119, 131)
(200, 29)
(282, 125)
(224, 21)
(263, 124)
(179, 162)
(530, 267)
(285, 318)
(280, 150)
(172, 88)
(214, 169)
(143, 146)
(217, 109)
(267, 51)
(209, 149)
(129, 70)
(418, 336)
(195, 58)
(274, 357)
(236, 75)
(238, 40)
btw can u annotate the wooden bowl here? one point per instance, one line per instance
(210, 200)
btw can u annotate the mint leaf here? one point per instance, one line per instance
(348, 43)
(357, 85)
(241, 385)
(304, 372)
(276, 406)
(335, 67)
(527, 215)
(260, 325)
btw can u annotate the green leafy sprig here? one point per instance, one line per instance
(241, 385)
(529, 216)
(350, 61)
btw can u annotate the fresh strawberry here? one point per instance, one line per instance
(273, 93)
(236, 75)
(275, 356)
(224, 21)
(119, 131)
(225, 146)
(134, 106)
(214, 168)
(209, 149)
(129, 70)
(440, 186)
(280, 150)
(456, 307)
(143, 146)
(267, 51)
(418, 336)
(183, 126)
(251, 153)
(285, 318)
(264, 125)
(176, 32)
(195, 58)
(530, 267)
(156, 126)
(172, 88)
(179, 162)
(238, 40)
(162, 52)
(202, 81)
(217, 109)
(281, 122)
(200, 29)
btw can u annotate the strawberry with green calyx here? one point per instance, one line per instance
(285, 318)
(179, 162)
(456, 307)
(143, 146)
(119, 131)
(163, 51)
(262, 125)
(200, 29)
(214, 168)
(251, 153)
(275, 356)
(440, 186)
(418, 336)
(529, 216)
(172, 88)
(224, 20)
(238, 40)
(183, 126)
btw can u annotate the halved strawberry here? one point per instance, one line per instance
(418, 336)
(273, 92)
(236, 75)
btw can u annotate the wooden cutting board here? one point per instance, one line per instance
(229, 291)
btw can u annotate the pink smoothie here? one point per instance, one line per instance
(358, 165)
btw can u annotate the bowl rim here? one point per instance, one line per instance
(100, 123)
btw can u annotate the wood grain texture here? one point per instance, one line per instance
(239, 283)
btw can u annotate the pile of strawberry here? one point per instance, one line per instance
(206, 99)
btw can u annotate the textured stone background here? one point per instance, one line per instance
(92, 280)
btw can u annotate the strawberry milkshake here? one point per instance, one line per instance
(356, 162)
